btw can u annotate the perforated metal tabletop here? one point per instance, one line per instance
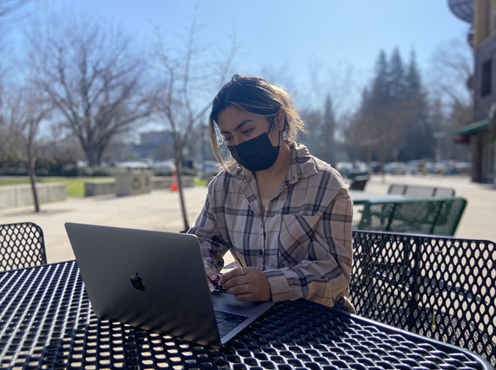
(47, 322)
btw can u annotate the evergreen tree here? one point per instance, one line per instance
(417, 141)
(396, 77)
(321, 127)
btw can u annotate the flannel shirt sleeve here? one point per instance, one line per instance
(325, 274)
(212, 243)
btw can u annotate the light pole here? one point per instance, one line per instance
(438, 136)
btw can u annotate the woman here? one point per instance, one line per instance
(284, 214)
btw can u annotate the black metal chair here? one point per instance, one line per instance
(439, 287)
(21, 245)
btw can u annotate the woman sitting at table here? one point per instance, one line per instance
(284, 214)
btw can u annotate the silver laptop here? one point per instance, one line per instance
(156, 281)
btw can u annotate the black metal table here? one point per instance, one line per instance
(47, 322)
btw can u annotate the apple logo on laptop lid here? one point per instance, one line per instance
(137, 282)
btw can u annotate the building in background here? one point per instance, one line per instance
(155, 145)
(481, 134)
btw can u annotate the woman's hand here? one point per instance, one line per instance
(247, 284)
(212, 275)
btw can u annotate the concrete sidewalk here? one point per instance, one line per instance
(160, 210)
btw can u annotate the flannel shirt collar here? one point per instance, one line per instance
(302, 166)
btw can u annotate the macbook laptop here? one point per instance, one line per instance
(156, 281)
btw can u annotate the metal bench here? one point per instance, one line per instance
(436, 215)
(358, 180)
(435, 286)
(420, 191)
(21, 245)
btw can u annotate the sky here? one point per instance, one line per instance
(291, 34)
(288, 37)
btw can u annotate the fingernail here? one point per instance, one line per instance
(211, 287)
(214, 277)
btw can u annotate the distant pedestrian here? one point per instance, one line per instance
(283, 214)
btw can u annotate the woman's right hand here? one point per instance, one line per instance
(212, 275)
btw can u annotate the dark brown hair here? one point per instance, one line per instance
(253, 95)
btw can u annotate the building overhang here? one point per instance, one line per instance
(472, 128)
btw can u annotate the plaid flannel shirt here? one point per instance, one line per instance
(302, 241)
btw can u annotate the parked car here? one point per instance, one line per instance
(375, 167)
(343, 168)
(415, 166)
(212, 166)
(396, 168)
(463, 167)
(165, 165)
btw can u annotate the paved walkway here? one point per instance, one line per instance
(160, 210)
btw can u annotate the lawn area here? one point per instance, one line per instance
(200, 182)
(75, 185)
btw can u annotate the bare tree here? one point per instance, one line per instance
(93, 77)
(10, 7)
(190, 75)
(23, 111)
(451, 75)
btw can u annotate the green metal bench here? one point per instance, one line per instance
(420, 191)
(433, 216)
(358, 180)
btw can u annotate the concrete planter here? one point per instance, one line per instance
(132, 183)
(21, 195)
(99, 188)
(95, 188)
(165, 182)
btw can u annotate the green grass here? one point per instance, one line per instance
(200, 182)
(75, 185)
(14, 182)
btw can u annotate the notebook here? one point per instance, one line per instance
(156, 281)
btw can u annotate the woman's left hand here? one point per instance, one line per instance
(247, 284)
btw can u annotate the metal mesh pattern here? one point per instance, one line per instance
(439, 287)
(437, 216)
(47, 322)
(420, 191)
(21, 245)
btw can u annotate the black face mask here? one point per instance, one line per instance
(256, 154)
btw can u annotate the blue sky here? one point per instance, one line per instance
(288, 36)
(291, 33)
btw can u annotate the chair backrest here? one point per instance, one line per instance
(439, 287)
(21, 245)
(436, 215)
(420, 191)
(358, 180)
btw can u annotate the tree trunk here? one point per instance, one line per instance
(179, 166)
(382, 159)
(369, 159)
(32, 179)
(91, 155)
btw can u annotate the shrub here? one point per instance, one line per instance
(162, 172)
(69, 170)
(189, 171)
